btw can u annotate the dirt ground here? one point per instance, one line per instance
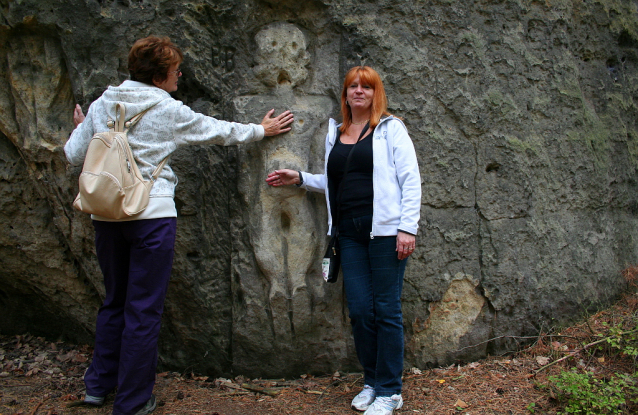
(43, 377)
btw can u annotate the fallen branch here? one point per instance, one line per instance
(269, 392)
(514, 337)
(335, 382)
(572, 354)
(36, 408)
(355, 381)
(585, 347)
(495, 338)
(235, 393)
(231, 385)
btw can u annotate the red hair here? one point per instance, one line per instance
(369, 77)
(150, 59)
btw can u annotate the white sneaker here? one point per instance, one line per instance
(362, 401)
(384, 405)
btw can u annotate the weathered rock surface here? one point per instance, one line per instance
(523, 115)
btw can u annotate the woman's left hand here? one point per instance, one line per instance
(283, 177)
(405, 244)
(78, 115)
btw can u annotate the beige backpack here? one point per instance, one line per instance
(111, 184)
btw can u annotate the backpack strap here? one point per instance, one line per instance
(117, 125)
(130, 123)
(121, 125)
(158, 169)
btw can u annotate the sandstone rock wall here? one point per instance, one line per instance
(523, 115)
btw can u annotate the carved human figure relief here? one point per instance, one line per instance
(285, 229)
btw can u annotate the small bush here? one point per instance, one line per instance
(582, 393)
(624, 341)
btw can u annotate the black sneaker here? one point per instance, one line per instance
(94, 400)
(88, 401)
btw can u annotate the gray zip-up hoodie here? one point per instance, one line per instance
(396, 180)
(167, 125)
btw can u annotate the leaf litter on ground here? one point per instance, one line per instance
(40, 376)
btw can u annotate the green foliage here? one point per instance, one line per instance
(625, 341)
(583, 393)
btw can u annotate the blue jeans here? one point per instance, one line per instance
(373, 280)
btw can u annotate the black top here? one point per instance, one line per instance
(357, 194)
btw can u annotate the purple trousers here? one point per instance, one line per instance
(136, 258)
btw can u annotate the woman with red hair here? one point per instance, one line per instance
(374, 210)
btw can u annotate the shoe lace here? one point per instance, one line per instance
(384, 402)
(367, 394)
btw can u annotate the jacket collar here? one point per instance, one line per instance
(332, 129)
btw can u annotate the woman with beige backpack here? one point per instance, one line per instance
(135, 251)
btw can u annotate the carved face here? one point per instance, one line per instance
(281, 55)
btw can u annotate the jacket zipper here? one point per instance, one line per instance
(373, 138)
(326, 166)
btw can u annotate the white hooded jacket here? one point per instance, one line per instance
(396, 180)
(167, 125)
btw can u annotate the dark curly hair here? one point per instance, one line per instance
(150, 58)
